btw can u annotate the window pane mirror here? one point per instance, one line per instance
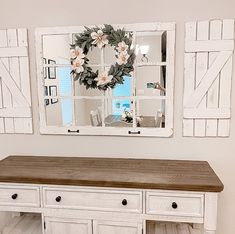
(141, 106)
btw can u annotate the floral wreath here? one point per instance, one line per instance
(100, 37)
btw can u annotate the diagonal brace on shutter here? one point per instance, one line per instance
(8, 80)
(208, 79)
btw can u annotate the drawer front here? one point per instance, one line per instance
(104, 200)
(178, 204)
(19, 196)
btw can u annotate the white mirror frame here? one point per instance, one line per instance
(118, 131)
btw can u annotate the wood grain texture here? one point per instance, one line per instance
(107, 172)
(212, 43)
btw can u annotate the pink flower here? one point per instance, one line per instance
(103, 78)
(77, 52)
(123, 58)
(122, 47)
(77, 65)
(99, 39)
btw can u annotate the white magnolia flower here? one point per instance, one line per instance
(77, 52)
(122, 47)
(103, 78)
(99, 38)
(77, 65)
(122, 58)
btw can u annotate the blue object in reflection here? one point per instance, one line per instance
(118, 106)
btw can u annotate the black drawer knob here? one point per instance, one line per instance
(14, 196)
(124, 202)
(58, 199)
(174, 205)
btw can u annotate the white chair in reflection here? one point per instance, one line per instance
(95, 119)
(100, 113)
(158, 119)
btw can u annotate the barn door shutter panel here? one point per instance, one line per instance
(209, 47)
(15, 96)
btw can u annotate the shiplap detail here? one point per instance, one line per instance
(209, 47)
(15, 96)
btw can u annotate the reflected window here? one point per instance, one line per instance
(122, 90)
(65, 85)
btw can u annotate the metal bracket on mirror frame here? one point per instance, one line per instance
(133, 132)
(71, 131)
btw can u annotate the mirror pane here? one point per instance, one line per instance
(118, 113)
(151, 47)
(122, 90)
(56, 49)
(150, 113)
(80, 90)
(59, 82)
(109, 55)
(94, 56)
(59, 112)
(53, 111)
(151, 81)
(88, 112)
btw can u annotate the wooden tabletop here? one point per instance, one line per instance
(117, 121)
(104, 172)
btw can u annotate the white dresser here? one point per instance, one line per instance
(107, 196)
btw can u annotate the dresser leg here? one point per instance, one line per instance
(210, 213)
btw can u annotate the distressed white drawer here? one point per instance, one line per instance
(179, 204)
(19, 196)
(89, 199)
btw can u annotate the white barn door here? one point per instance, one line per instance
(209, 47)
(15, 97)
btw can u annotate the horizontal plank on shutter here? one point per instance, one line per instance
(208, 79)
(15, 112)
(13, 52)
(207, 113)
(209, 46)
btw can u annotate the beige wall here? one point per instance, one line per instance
(219, 152)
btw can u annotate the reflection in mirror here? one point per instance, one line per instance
(61, 86)
(109, 55)
(150, 113)
(151, 47)
(94, 56)
(54, 116)
(59, 111)
(88, 112)
(118, 112)
(80, 90)
(151, 81)
(57, 48)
